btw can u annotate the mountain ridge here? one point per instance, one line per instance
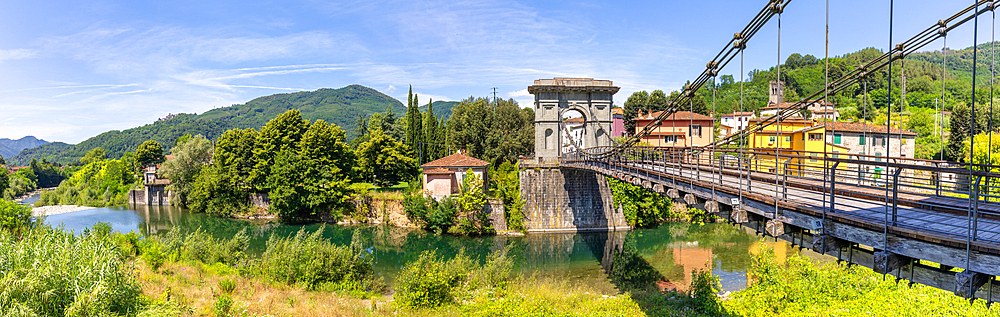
(341, 106)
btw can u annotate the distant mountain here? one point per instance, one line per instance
(341, 106)
(9, 148)
(441, 108)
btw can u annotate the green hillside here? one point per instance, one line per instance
(338, 106)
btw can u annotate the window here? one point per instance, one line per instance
(812, 157)
(815, 136)
(695, 130)
(903, 140)
(836, 138)
(861, 140)
(878, 157)
(770, 139)
(878, 140)
(788, 139)
(836, 155)
(669, 139)
(883, 141)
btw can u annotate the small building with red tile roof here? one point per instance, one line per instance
(443, 177)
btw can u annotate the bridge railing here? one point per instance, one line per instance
(901, 192)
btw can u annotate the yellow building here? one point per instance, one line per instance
(801, 145)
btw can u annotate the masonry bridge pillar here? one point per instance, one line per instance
(565, 199)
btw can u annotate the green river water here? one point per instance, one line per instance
(664, 256)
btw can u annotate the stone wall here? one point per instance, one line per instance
(564, 199)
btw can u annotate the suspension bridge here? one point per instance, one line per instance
(931, 222)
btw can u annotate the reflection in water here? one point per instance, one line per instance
(608, 262)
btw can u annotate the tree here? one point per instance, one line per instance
(431, 150)
(635, 103)
(385, 161)
(93, 155)
(414, 122)
(281, 132)
(493, 133)
(301, 188)
(4, 180)
(190, 155)
(149, 152)
(324, 144)
(234, 156)
(2, 162)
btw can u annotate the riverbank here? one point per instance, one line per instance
(56, 210)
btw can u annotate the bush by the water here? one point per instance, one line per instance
(310, 260)
(430, 281)
(200, 246)
(432, 215)
(14, 217)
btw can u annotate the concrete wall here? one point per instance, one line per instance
(564, 199)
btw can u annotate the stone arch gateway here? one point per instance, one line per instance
(553, 97)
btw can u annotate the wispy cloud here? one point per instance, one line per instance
(16, 54)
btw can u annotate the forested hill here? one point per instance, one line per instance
(9, 148)
(341, 106)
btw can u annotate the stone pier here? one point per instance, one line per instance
(568, 200)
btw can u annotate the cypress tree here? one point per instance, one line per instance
(430, 134)
(412, 120)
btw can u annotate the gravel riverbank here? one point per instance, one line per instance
(55, 210)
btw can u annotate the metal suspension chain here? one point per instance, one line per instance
(885, 232)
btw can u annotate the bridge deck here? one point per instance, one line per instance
(943, 217)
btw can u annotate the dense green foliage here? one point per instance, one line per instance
(414, 122)
(642, 208)
(495, 132)
(305, 169)
(385, 161)
(432, 215)
(200, 246)
(430, 281)
(802, 288)
(505, 182)
(337, 106)
(309, 260)
(14, 217)
(98, 184)
(149, 152)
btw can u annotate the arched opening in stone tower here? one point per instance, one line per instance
(574, 130)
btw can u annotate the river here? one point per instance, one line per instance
(664, 256)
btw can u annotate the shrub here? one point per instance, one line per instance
(15, 218)
(313, 261)
(431, 282)
(227, 286)
(436, 216)
(153, 255)
(200, 246)
(223, 305)
(425, 282)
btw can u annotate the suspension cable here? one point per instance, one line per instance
(885, 233)
(826, 162)
(972, 144)
(777, 149)
(944, 76)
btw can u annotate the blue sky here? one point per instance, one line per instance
(72, 69)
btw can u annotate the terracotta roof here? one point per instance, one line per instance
(862, 128)
(617, 111)
(680, 115)
(168, 157)
(748, 113)
(437, 170)
(577, 120)
(456, 160)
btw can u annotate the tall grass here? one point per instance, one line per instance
(430, 281)
(50, 272)
(200, 246)
(314, 262)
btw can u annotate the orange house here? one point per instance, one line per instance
(681, 129)
(443, 177)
